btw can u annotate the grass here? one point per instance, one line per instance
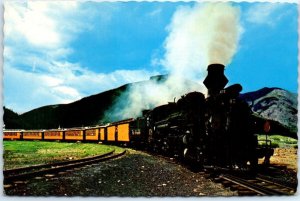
(280, 141)
(26, 153)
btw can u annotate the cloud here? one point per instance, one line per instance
(40, 24)
(266, 13)
(36, 32)
(27, 90)
(37, 46)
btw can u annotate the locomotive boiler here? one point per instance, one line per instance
(212, 131)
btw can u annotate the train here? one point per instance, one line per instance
(214, 131)
(115, 133)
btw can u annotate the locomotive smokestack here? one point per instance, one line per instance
(215, 80)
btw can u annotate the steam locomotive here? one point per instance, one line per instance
(217, 131)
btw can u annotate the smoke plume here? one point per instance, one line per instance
(198, 36)
(201, 35)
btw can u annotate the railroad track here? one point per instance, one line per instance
(21, 174)
(253, 186)
(243, 184)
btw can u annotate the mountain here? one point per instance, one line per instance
(11, 119)
(85, 112)
(275, 104)
(278, 105)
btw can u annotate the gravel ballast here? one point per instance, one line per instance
(134, 175)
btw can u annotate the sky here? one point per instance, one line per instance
(59, 52)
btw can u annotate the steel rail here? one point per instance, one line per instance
(259, 189)
(52, 169)
(30, 168)
(286, 188)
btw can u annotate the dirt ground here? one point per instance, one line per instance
(283, 167)
(286, 157)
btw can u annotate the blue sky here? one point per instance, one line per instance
(59, 52)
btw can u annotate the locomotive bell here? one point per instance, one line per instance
(215, 80)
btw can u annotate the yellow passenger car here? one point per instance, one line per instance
(92, 134)
(33, 135)
(12, 135)
(74, 134)
(53, 135)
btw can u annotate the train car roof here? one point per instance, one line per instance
(76, 128)
(33, 130)
(13, 130)
(54, 130)
(94, 127)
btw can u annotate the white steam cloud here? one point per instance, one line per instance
(201, 35)
(146, 95)
(198, 36)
